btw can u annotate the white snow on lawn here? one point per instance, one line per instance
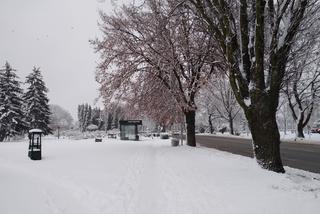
(311, 138)
(146, 177)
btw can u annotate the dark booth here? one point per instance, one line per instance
(35, 144)
(129, 129)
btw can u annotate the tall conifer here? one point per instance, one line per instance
(11, 114)
(36, 102)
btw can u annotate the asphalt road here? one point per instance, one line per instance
(296, 155)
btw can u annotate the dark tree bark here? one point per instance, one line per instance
(300, 127)
(265, 136)
(163, 127)
(191, 130)
(210, 123)
(2, 137)
(231, 125)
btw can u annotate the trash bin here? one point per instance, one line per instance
(175, 142)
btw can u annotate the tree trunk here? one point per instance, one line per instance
(181, 132)
(300, 127)
(285, 125)
(210, 123)
(265, 137)
(191, 130)
(2, 136)
(163, 128)
(182, 124)
(231, 125)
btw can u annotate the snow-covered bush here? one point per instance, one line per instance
(202, 129)
(92, 127)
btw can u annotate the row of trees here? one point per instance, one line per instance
(89, 116)
(20, 111)
(166, 51)
(298, 102)
(219, 103)
(95, 118)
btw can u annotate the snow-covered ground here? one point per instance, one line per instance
(146, 177)
(311, 138)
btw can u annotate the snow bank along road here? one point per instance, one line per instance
(150, 176)
(297, 155)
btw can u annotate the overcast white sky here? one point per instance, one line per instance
(53, 35)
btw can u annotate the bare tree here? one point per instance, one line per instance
(221, 101)
(302, 93)
(160, 42)
(205, 104)
(256, 37)
(283, 114)
(302, 85)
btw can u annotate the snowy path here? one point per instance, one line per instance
(146, 177)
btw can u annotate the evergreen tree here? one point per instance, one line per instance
(11, 114)
(85, 115)
(36, 102)
(80, 117)
(88, 113)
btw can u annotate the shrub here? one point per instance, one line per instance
(202, 130)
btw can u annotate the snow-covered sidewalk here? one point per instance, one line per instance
(146, 177)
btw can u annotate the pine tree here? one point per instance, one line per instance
(85, 116)
(36, 102)
(88, 118)
(11, 114)
(80, 116)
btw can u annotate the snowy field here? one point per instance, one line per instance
(311, 138)
(146, 177)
